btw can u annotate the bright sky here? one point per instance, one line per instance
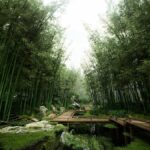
(76, 15)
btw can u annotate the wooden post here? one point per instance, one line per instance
(68, 123)
(131, 133)
(124, 130)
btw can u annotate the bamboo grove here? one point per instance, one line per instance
(118, 76)
(32, 70)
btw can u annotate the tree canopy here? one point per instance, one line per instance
(32, 70)
(118, 76)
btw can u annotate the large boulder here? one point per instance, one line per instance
(40, 124)
(34, 119)
(76, 105)
(12, 129)
(43, 110)
(34, 127)
(52, 116)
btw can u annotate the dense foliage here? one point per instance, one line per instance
(30, 55)
(32, 70)
(119, 74)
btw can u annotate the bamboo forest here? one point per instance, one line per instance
(74, 74)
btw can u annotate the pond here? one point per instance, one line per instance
(102, 137)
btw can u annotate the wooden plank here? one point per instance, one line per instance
(133, 122)
(140, 124)
(67, 117)
(143, 120)
(120, 121)
(81, 120)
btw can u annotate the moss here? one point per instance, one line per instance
(110, 126)
(137, 144)
(59, 128)
(9, 141)
(17, 141)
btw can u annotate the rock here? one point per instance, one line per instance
(62, 109)
(60, 127)
(43, 110)
(63, 137)
(31, 127)
(11, 129)
(73, 142)
(34, 119)
(48, 126)
(76, 105)
(52, 116)
(39, 124)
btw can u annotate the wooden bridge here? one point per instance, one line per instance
(68, 118)
(142, 124)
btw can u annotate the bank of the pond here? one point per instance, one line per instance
(68, 140)
(18, 141)
(31, 139)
